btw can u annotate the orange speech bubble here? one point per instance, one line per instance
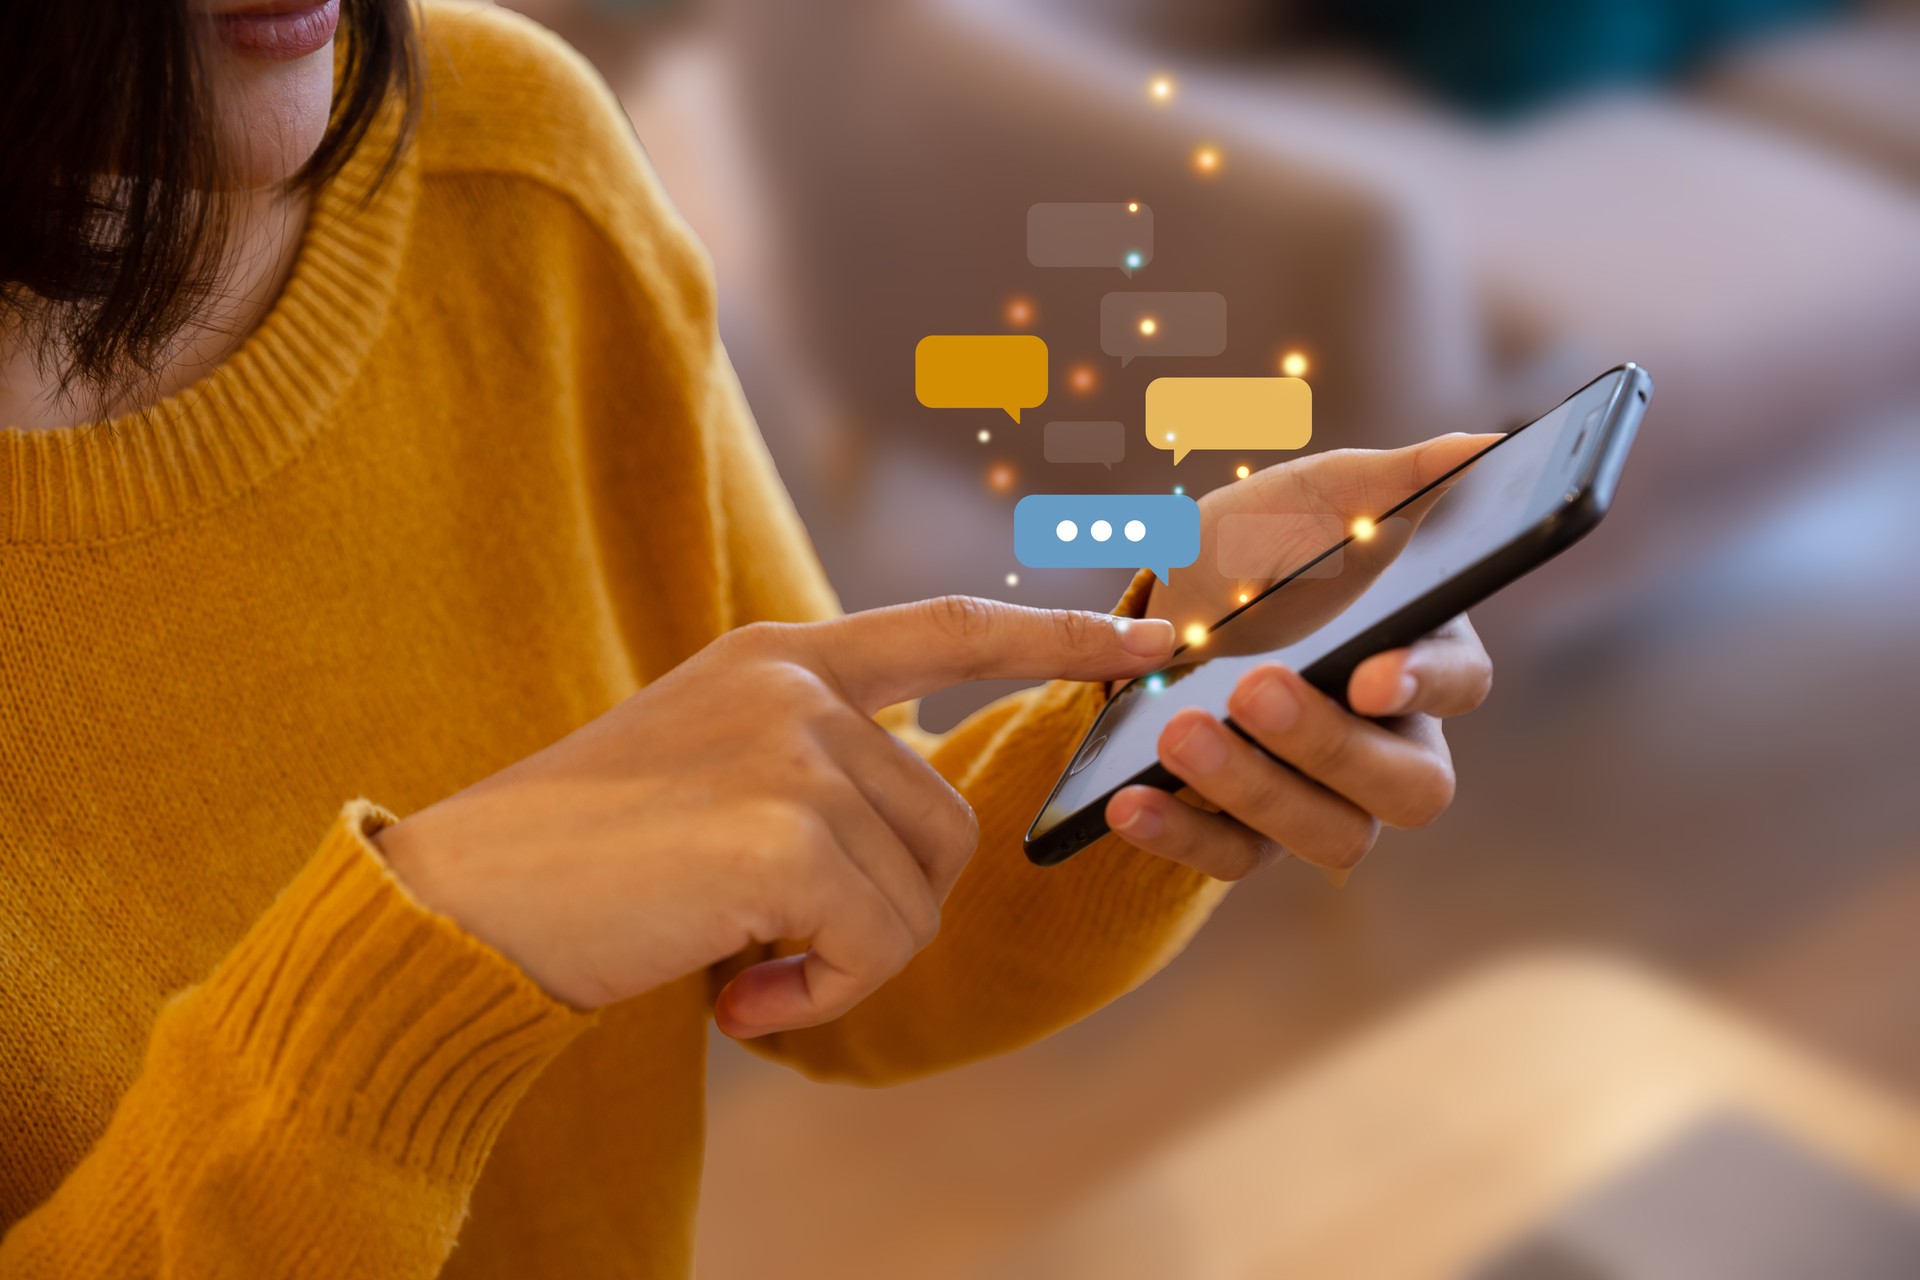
(1006, 371)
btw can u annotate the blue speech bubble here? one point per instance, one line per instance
(1158, 531)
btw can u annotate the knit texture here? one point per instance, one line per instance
(483, 472)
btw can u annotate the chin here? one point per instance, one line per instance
(273, 116)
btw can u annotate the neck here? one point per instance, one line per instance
(259, 256)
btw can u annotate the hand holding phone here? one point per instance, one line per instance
(1271, 676)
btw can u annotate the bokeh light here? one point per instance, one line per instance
(1245, 596)
(1148, 327)
(1019, 312)
(1134, 260)
(1013, 579)
(1362, 529)
(1160, 89)
(1242, 471)
(984, 435)
(1195, 634)
(1133, 206)
(1206, 160)
(1001, 477)
(1294, 364)
(1082, 379)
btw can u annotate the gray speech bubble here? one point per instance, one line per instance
(1102, 442)
(1162, 324)
(1116, 235)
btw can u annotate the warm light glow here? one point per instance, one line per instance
(1362, 529)
(1083, 379)
(984, 436)
(1000, 477)
(1019, 312)
(1169, 436)
(1133, 206)
(1013, 579)
(1293, 364)
(1148, 327)
(1195, 634)
(1245, 596)
(1160, 89)
(1207, 159)
(1243, 471)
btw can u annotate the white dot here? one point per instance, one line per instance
(1135, 531)
(1101, 531)
(1066, 531)
(1013, 579)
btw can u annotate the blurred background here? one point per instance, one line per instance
(1686, 819)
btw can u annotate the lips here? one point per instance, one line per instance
(279, 32)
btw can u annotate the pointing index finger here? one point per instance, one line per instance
(885, 656)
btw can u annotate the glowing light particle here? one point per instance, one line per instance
(1195, 634)
(984, 435)
(1244, 597)
(1019, 312)
(1363, 529)
(1160, 89)
(1169, 437)
(1149, 326)
(1013, 579)
(1179, 488)
(1133, 206)
(1156, 682)
(1000, 477)
(1206, 160)
(1083, 379)
(1134, 260)
(1242, 471)
(1293, 364)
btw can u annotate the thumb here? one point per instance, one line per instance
(884, 656)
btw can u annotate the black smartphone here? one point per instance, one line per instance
(1515, 505)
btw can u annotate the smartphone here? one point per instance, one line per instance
(1515, 505)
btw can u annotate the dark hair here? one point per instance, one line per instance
(100, 271)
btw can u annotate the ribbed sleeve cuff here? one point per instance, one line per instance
(378, 1020)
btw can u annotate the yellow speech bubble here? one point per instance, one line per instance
(981, 371)
(1184, 414)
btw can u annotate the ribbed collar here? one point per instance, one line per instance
(254, 412)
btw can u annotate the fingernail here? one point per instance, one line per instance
(1203, 749)
(1271, 707)
(1137, 820)
(1403, 693)
(1146, 637)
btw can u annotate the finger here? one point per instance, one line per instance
(1400, 781)
(855, 942)
(1211, 843)
(932, 820)
(879, 853)
(1445, 674)
(885, 656)
(1323, 828)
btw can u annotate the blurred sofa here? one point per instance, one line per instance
(1752, 235)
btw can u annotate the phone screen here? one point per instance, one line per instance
(1341, 593)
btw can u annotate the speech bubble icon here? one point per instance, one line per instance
(1102, 442)
(1005, 371)
(1184, 414)
(1090, 235)
(1162, 324)
(1160, 531)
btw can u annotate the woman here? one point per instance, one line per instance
(423, 477)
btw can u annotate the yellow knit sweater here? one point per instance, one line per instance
(482, 473)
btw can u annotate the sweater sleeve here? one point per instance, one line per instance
(320, 1106)
(1022, 951)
